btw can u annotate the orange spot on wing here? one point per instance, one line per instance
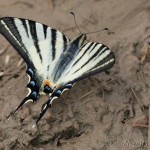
(47, 82)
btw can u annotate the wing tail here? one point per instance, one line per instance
(43, 110)
(33, 87)
(25, 100)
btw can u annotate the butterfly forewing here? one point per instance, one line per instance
(39, 45)
(92, 58)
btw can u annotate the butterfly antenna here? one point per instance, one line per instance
(105, 29)
(73, 14)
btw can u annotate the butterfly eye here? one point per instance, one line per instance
(47, 89)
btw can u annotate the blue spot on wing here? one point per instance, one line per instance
(31, 84)
(30, 72)
(47, 89)
(33, 95)
(69, 86)
(58, 92)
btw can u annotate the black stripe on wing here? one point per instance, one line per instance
(96, 54)
(33, 31)
(45, 31)
(65, 42)
(102, 65)
(85, 51)
(24, 23)
(53, 41)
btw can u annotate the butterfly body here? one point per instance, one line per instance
(54, 62)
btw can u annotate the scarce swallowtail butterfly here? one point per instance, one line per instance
(54, 62)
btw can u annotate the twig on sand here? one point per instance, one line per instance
(16, 3)
(143, 126)
(1, 74)
(99, 87)
(4, 49)
(20, 62)
(23, 3)
(103, 94)
(141, 121)
(137, 99)
(145, 55)
(7, 59)
(11, 86)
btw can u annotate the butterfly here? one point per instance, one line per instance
(54, 62)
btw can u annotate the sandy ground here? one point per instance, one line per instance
(108, 118)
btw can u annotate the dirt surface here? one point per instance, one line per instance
(114, 117)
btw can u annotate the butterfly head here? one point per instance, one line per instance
(79, 41)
